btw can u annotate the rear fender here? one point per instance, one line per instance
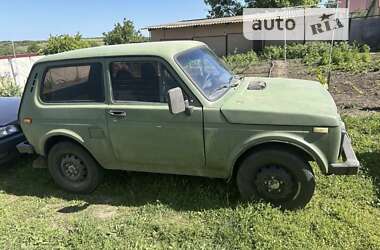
(59, 132)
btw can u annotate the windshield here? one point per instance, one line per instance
(207, 71)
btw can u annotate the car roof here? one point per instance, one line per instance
(163, 49)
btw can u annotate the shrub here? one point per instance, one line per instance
(241, 62)
(344, 57)
(8, 87)
(33, 48)
(61, 43)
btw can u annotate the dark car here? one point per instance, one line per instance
(10, 132)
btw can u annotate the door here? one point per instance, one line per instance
(145, 136)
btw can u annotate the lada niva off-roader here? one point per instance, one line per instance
(174, 107)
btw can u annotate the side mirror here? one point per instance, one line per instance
(176, 101)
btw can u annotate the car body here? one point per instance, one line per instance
(10, 132)
(173, 107)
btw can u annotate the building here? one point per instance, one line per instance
(367, 7)
(223, 35)
(364, 22)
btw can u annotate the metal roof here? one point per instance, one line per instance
(198, 22)
(270, 14)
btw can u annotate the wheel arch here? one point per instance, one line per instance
(53, 137)
(305, 151)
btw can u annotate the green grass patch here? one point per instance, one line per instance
(141, 210)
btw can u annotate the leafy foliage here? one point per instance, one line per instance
(5, 48)
(345, 57)
(34, 47)
(241, 62)
(8, 88)
(61, 43)
(123, 33)
(224, 8)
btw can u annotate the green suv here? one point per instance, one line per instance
(174, 107)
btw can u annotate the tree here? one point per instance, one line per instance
(61, 43)
(224, 8)
(123, 33)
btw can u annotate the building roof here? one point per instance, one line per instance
(198, 22)
(166, 49)
(270, 14)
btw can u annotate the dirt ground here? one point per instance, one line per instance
(355, 94)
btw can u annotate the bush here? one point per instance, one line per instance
(240, 62)
(8, 87)
(33, 48)
(344, 57)
(61, 43)
(123, 33)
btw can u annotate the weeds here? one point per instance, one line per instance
(344, 57)
(239, 63)
(8, 87)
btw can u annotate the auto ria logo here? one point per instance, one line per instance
(296, 24)
(326, 25)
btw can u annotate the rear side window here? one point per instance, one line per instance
(143, 81)
(73, 83)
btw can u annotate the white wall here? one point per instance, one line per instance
(21, 67)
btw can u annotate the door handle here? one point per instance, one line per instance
(117, 113)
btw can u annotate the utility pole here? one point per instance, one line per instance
(11, 63)
(14, 49)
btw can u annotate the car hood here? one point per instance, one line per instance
(281, 102)
(9, 110)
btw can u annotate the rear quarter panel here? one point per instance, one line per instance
(82, 122)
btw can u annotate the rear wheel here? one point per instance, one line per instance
(278, 176)
(73, 168)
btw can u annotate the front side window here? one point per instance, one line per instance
(207, 71)
(141, 81)
(74, 83)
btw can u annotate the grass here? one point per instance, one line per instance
(140, 210)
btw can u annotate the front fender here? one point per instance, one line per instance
(282, 138)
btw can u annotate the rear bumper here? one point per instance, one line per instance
(351, 165)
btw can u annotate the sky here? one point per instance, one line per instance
(37, 19)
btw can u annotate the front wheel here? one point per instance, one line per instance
(73, 168)
(278, 176)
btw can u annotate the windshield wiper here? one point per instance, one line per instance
(231, 83)
(237, 79)
(225, 86)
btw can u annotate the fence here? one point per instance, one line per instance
(17, 68)
(366, 30)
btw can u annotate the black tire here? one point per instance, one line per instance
(277, 176)
(73, 168)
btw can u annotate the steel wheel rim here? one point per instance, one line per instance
(274, 183)
(73, 168)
